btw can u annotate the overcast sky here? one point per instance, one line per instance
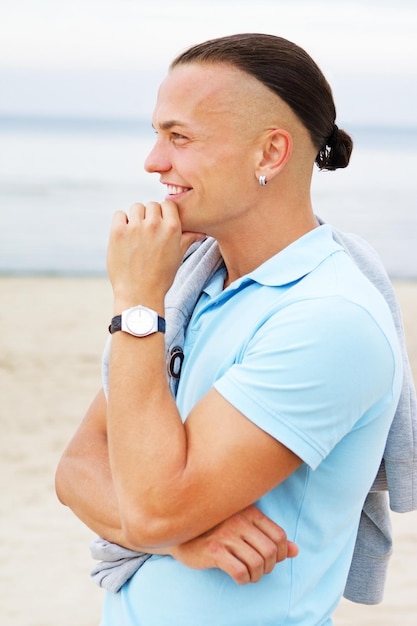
(105, 58)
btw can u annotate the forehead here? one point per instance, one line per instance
(197, 91)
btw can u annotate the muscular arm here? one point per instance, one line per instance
(173, 481)
(83, 479)
(246, 546)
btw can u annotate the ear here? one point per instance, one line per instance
(276, 150)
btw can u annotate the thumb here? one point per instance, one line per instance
(292, 549)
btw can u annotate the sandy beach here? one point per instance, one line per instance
(53, 332)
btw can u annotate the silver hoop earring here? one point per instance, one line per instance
(262, 180)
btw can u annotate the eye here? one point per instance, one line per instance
(178, 137)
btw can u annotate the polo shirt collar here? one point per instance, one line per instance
(296, 260)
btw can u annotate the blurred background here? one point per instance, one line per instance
(78, 83)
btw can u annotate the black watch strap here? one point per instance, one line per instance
(116, 324)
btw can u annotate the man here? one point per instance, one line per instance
(291, 373)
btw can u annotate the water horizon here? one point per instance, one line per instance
(62, 178)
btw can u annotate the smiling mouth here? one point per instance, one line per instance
(176, 190)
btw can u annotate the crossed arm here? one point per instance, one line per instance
(134, 472)
(246, 546)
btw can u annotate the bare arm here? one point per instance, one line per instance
(173, 481)
(246, 546)
(83, 479)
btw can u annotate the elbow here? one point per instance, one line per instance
(66, 480)
(149, 531)
(60, 490)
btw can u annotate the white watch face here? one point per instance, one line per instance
(140, 321)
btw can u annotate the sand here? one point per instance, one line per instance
(53, 331)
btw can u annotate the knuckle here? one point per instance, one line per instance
(256, 513)
(172, 227)
(240, 574)
(256, 576)
(214, 548)
(257, 562)
(280, 536)
(238, 521)
(270, 551)
(118, 224)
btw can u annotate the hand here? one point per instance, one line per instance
(145, 250)
(246, 546)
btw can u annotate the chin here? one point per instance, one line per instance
(189, 226)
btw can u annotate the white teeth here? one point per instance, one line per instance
(173, 190)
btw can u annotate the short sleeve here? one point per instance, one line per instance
(310, 373)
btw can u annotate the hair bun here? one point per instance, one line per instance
(336, 151)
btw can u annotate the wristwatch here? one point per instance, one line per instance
(138, 321)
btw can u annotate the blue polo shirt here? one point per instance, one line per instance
(305, 347)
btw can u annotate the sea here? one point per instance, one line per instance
(62, 179)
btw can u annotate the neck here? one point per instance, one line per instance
(246, 249)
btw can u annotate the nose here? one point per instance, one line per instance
(157, 160)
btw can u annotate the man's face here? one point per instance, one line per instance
(206, 144)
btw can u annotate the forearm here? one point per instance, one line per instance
(246, 546)
(173, 480)
(83, 479)
(84, 483)
(92, 501)
(146, 437)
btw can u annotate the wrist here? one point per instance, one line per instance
(139, 321)
(151, 301)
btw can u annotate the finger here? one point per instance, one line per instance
(169, 212)
(169, 207)
(119, 218)
(278, 536)
(153, 209)
(251, 545)
(137, 211)
(165, 215)
(270, 530)
(292, 550)
(226, 560)
(265, 553)
(257, 560)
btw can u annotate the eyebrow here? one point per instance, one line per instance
(169, 124)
